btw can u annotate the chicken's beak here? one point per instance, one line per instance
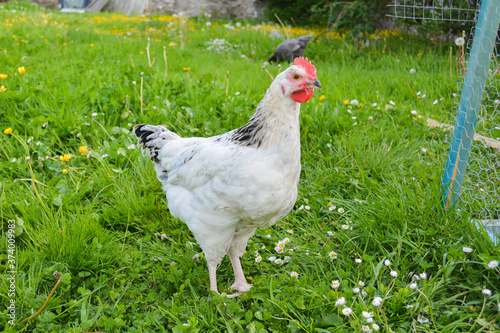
(314, 84)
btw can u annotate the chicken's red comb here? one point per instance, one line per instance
(306, 64)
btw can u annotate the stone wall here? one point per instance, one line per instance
(50, 4)
(216, 8)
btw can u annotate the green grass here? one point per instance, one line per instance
(95, 223)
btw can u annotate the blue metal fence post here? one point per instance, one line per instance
(470, 100)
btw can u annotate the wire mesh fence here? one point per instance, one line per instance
(441, 10)
(481, 186)
(471, 178)
(472, 172)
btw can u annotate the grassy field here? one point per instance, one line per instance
(81, 200)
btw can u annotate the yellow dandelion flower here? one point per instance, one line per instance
(186, 69)
(65, 171)
(65, 157)
(3, 76)
(360, 105)
(2, 88)
(83, 150)
(91, 45)
(346, 102)
(21, 70)
(7, 130)
(141, 52)
(322, 97)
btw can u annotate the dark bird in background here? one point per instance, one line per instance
(290, 49)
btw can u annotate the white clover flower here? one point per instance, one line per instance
(413, 111)
(208, 23)
(387, 262)
(459, 41)
(258, 259)
(366, 314)
(358, 261)
(163, 236)
(340, 210)
(366, 328)
(354, 102)
(294, 274)
(412, 71)
(268, 236)
(335, 284)
(332, 255)
(364, 293)
(356, 290)
(377, 301)
(413, 285)
(422, 320)
(346, 311)
(409, 306)
(361, 284)
(301, 207)
(369, 320)
(330, 233)
(435, 102)
(415, 277)
(376, 327)
(307, 208)
(394, 274)
(493, 264)
(423, 276)
(341, 301)
(486, 292)
(467, 249)
(374, 104)
(392, 103)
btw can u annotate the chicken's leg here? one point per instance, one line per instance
(212, 276)
(240, 282)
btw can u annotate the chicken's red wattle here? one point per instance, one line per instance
(302, 96)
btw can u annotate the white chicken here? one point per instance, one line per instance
(225, 187)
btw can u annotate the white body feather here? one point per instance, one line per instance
(225, 187)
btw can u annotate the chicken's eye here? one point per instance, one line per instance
(296, 77)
